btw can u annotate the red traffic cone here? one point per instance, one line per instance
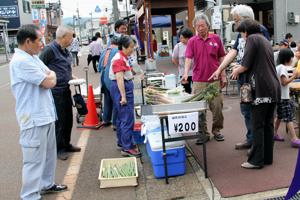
(91, 119)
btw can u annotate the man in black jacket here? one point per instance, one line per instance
(59, 59)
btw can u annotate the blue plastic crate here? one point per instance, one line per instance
(175, 161)
(137, 138)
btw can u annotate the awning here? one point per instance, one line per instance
(164, 21)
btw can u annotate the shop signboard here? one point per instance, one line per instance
(9, 11)
(38, 4)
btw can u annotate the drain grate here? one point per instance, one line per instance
(296, 197)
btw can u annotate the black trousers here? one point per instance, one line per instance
(263, 132)
(95, 60)
(188, 86)
(63, 125)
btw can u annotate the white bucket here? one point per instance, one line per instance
(170, 81)
(150, 65)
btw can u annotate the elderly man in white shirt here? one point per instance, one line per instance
(31, 81)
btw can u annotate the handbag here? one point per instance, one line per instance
(246, 92)
(79, 102)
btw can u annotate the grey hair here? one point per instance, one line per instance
(62, 31)
(201, 16)
(244, 11)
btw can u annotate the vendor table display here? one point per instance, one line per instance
(164, 111)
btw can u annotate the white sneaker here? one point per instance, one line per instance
(248, 165)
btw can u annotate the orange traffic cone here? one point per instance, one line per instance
(91, 119)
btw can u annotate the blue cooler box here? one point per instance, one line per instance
(175, 156)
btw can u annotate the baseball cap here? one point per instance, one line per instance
(284, 42)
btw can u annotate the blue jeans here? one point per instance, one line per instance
(108, 111)
(246, 112)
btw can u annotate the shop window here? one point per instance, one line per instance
(26, 6)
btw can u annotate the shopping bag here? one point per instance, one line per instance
(80, 104)
(246, 93)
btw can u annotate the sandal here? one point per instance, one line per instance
(278, 138)
(219, 137)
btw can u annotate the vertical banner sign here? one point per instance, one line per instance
(183, 123)
(43, 20)
(216, 18)
(35, 16)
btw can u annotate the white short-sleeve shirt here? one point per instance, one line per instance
(34, 104)
(285, 90)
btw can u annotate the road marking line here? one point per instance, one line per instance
(74, 167)
(4, 85)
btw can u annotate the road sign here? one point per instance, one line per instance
(97, 9)
(103, 20)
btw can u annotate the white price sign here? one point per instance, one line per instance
(183, 123)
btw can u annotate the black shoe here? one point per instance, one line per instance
(119, 147)
(62, 155)
(73, 149)
(219, 137)
(243, 145)
(202, 140)
(55, 188)
(105, 124)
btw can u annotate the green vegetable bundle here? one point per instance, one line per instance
(156, 96)
(117, 171)
(208, 94)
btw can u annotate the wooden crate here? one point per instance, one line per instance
(117, 182)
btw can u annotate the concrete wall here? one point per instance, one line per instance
(281, 27)
(25, 18)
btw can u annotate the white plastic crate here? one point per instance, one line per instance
(121, 181)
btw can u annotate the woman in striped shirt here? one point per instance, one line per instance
(122, 94)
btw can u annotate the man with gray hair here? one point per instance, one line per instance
(58, 58)
(207, 51)
(239, 13)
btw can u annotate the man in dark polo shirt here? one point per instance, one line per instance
(59, 59)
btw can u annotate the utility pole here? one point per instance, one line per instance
(78, 17)
(74, 19)
(91, 13)
(115, 10)
(59, 12)
(127, 12)
(220, 31)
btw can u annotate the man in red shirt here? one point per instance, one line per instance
(207, 51)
